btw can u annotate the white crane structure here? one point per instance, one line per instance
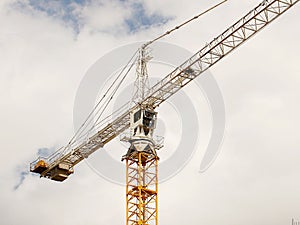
(141, 157)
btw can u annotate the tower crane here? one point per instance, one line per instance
(141, 158)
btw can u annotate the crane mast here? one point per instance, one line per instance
(141, 157)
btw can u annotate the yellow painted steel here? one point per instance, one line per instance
(141, 189)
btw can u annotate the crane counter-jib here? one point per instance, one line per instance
(63, 160)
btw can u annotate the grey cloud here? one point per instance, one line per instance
(71, 13)
(22, 176)
(45, 152)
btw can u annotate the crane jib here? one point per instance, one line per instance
(219, 47)
(58, 167)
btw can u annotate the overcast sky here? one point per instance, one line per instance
(46, 47)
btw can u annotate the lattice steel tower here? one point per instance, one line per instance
(141, 158)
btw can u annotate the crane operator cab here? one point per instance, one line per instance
(143, 123)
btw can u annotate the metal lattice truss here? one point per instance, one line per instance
(141, 189)
(98, 140)
(221, 46)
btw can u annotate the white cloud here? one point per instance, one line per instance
(107, 17)
(254, 180)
